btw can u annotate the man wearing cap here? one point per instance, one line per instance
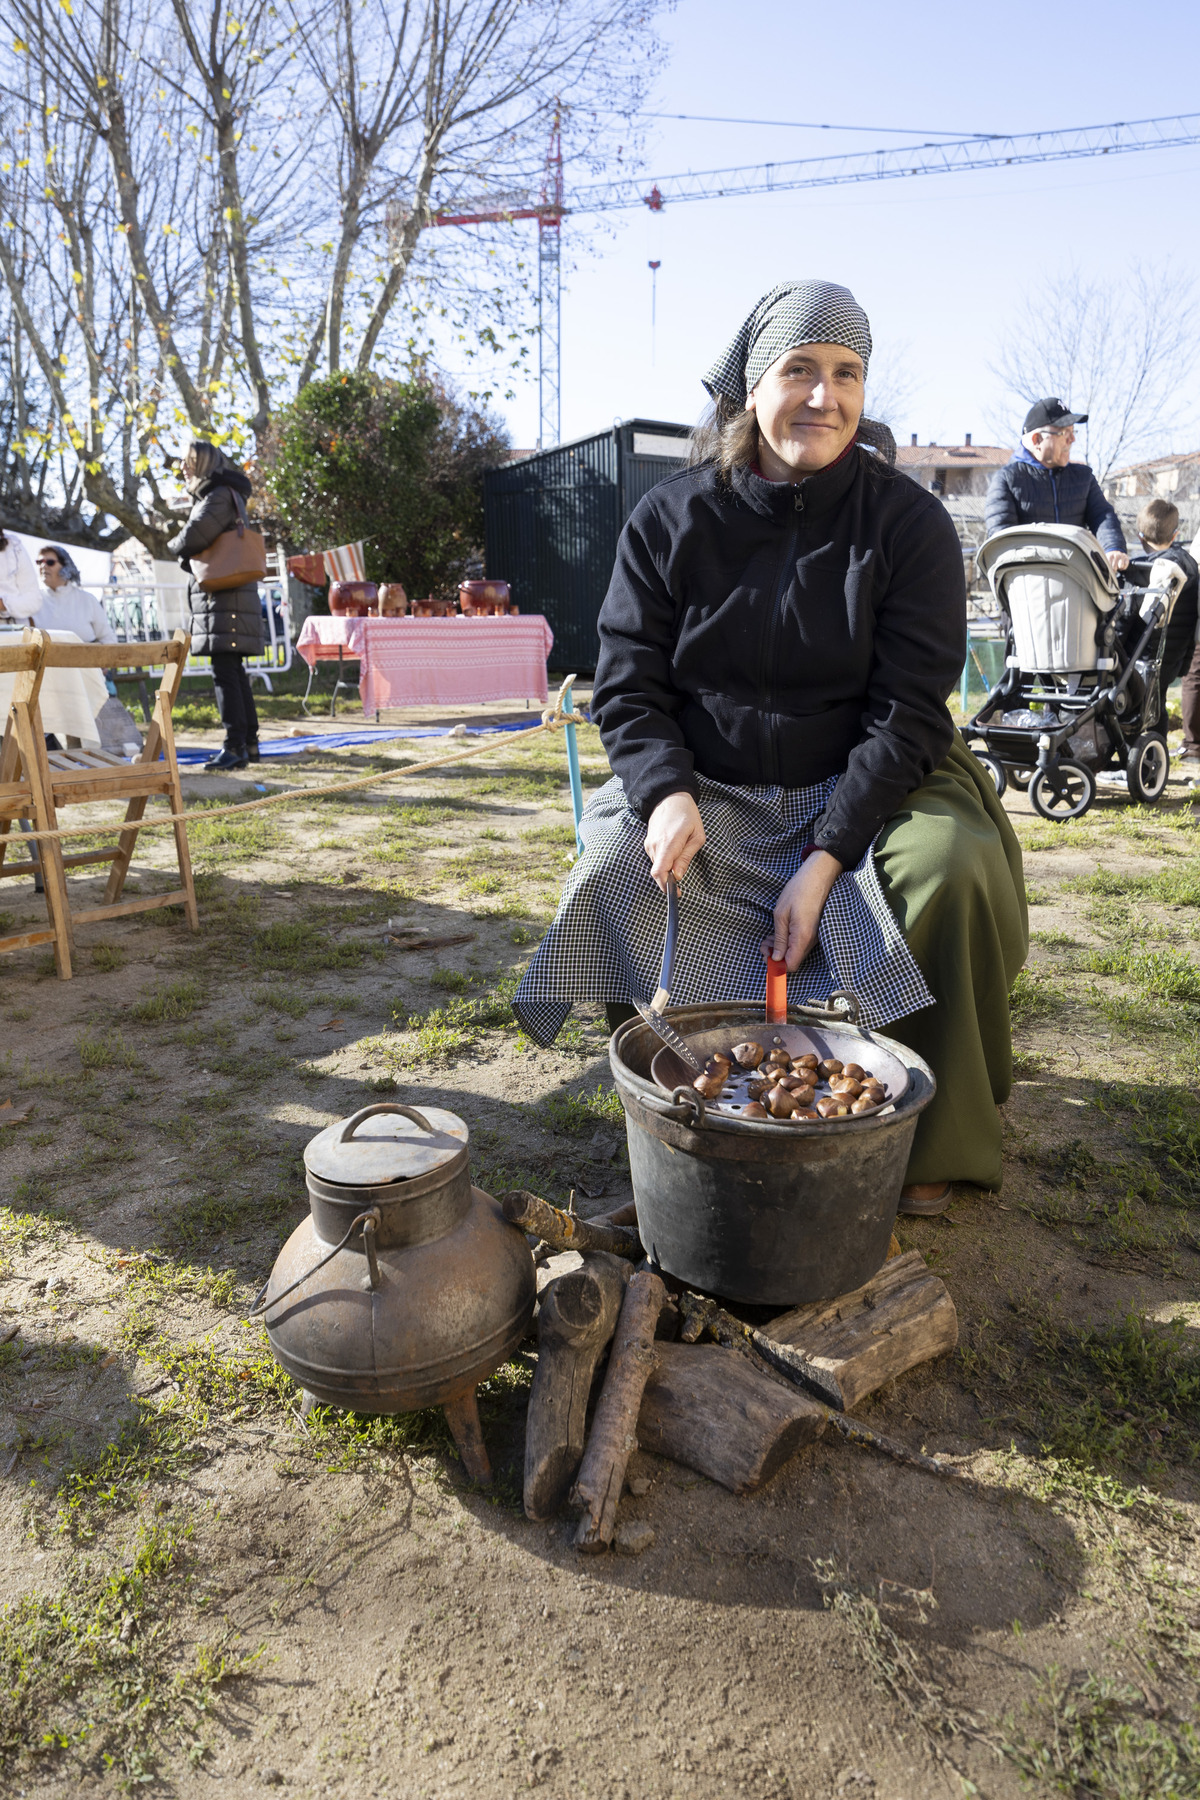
(1042, 486)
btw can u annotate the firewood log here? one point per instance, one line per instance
(633, 1360)
(713, 1411)
(563, 1231)
(576, 1319)
(901, 1317)
(701, 1315)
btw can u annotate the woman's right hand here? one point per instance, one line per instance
(673, 837)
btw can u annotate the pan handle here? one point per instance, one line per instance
(686, 1108)
(777, 1005)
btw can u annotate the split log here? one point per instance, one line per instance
(713, 1411)
(901, 1317)
(633, 1360)
(576, 1319)
(563, 1231)
(563, 1262)
(701, 1316)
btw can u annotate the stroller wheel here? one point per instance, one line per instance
(1063, 791)
(1147, 766)
(1020, 778)
(995, 769)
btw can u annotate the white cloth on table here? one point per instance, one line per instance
(72, 608)
(19, 590)
(69, 698)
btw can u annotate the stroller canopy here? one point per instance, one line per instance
(1055, 584)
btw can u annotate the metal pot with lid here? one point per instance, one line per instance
(406, 1286)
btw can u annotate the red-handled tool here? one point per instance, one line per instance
(776, 992)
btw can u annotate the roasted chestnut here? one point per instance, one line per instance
(804, 1095)
(864, 1104)
(808, 1061)
(833, 1108)
(748, 1055)
(779, 1103)
(755, 1110)
(854, 1070)
(844, 1084)
(719, 1056)
(779, 1059)
(808, 1114)
(830, 1067)
(715, 1066)
(711, 1086)
(757, 1088)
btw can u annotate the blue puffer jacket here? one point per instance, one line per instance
(1024, 493)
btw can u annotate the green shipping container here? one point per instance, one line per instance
(552, 520)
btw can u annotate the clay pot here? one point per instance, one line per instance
(393, 601)
(352, 599)
(433, 609)
(484, 598)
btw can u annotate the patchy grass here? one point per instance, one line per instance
(106, 1050)
(108, 957)
(583, 1112)
(1087, 1736)
(1159, 974)
(1121, 1396)
(177, 1000)
(234, 839)
(92, 1677)
(447, 1031)
(1032, 996)
(301, 946)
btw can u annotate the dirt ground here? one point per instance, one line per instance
(206, 1592)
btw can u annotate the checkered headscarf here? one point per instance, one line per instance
(795, 312)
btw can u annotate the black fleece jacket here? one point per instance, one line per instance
(756, 632)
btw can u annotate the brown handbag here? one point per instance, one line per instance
(235, 559)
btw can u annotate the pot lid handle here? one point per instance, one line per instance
(382, 1106)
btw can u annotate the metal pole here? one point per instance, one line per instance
(573, 768)
(549, 334)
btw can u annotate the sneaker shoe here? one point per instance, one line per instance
(228, 759)
(1187, 755)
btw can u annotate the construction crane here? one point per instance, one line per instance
(934, 158)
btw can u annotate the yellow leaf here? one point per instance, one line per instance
(102, 81)
(24, 163)
(67, 8)
(20, 44)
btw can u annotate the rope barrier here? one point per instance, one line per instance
(553, 719)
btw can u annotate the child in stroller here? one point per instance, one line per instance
(1081, 691)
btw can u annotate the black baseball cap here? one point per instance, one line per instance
(1048, 414)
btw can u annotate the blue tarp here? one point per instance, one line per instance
(348, 740)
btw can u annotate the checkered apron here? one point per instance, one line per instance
(606, 940)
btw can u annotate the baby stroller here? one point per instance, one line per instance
(1080, 693)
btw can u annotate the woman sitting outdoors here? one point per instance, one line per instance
(785, 620)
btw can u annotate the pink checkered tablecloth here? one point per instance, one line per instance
(437, 662)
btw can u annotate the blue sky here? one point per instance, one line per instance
(939, 262)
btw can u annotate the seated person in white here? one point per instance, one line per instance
(64, 605)
(19, 595)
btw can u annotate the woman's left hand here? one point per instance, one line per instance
(798, 909)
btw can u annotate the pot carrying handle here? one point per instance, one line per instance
(383, 1106)
(686, 1108)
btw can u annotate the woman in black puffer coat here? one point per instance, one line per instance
(225, 626)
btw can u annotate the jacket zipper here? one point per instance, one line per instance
(767, 739)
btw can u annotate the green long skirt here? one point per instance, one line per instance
(950, 866)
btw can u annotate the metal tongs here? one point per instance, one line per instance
(653, 1013)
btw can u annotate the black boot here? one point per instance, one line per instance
(228, 759)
